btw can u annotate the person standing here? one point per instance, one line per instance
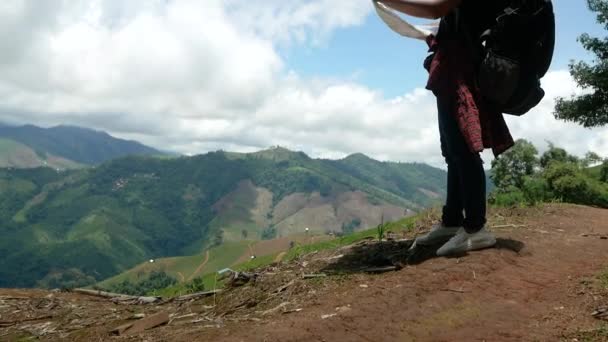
(467, 125)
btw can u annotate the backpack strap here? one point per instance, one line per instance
(546, 20)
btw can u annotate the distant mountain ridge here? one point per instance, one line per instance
(76, 144)
(17, 155)
(97, 222)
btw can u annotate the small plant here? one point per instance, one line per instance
(197, 285)
(381, 229)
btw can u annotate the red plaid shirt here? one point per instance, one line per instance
(451, 77)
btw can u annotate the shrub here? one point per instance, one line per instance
(536, 190)
(512, 198)
(196, 285)
(269, 233)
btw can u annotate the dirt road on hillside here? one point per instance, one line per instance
(540, 284)
(200, 267)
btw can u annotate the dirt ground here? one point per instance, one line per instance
(539, 284)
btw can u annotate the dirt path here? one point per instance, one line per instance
(200, 267)
(540, 284)
(492, 295)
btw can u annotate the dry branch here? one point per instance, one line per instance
(5, 324)
(197, 295)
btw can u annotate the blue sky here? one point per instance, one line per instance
(321, 76)
(377, 57)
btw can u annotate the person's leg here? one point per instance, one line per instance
(473, 180)
(466, 176)
(454, 204)
(470, 189)
(453, 208)
(452, 218)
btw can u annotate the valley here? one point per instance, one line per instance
(78, 227)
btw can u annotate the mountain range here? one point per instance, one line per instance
(78, 226)
(62, 147)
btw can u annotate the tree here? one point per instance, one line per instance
(604, 172)
(592, 158)
(218, 238)
(196, 285)
(569, 183)
(511, 168)
(590, 109)
(269, 233)
(556, 154)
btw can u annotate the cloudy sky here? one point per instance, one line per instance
(325, 77)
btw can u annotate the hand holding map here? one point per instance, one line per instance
(401, 26)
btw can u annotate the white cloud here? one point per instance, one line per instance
(194, 76)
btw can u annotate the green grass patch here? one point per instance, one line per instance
(225, 255)
(209, 280)
(402, 225)
(598, 334)
(594, 171)
(258, 262)
(20, 216)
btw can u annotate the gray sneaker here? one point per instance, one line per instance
(438, 234)
(464, 242)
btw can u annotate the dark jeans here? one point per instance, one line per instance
(466, 176)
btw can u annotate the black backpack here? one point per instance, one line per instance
(514, 54)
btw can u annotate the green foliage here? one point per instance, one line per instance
(155, 281)
(589, 109)
(196, 285)
(107, 219)
(68, 279)
(402, 225)
(536, 190)
(402, 179)
(209, 282)
(568, 182)
(269, 233)
(260, 261)
(218, 238)
(561, 177)
(510, 198)
(380, 229)
(604, 172)
(511, 168)
(592, 158)
(556, 154)
(351, 226)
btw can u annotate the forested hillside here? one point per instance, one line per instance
(80, 226)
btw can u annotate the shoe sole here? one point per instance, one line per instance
(436, 241)
(427, 244)
(477, 247)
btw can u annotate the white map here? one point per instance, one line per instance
(400, 25)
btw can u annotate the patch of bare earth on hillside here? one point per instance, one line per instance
(322, 214)
(540, 284)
